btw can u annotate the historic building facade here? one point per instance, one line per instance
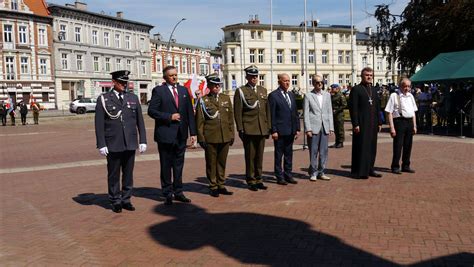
(187, 59)
(89, 46)
(328, 53)
(26, 67)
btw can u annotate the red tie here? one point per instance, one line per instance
(176, 98)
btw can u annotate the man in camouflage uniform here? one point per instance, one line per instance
(339, 103)
(215, 129)
(252, 117)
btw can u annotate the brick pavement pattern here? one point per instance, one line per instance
(54, 208)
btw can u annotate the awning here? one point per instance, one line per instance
(447, 67)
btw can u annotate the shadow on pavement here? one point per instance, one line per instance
(263, 239)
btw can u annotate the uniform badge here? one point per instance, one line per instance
(113, 107)
(106, 99)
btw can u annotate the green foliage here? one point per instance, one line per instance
(424, 29)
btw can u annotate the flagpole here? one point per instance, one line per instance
(352, 49)
(271, 43)
(305, 48)
(314, 43)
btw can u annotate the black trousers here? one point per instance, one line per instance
(402, 142)
(172, 159)
(283, 149)
(4, 119)
(23, 119)
(124, 161)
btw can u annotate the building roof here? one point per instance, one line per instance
(38, 7)
(54, 6)
(276, 27)
(160, 42)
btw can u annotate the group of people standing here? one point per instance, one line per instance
(6, 110)
(257, 117)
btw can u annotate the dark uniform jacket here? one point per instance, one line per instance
(162, 106)
(284, 119)
(255, 121)
(220, 129)
(23, 108)
(120, 134)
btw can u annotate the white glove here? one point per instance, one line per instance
(104, 151)
(142, 148)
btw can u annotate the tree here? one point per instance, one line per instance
(424, 29)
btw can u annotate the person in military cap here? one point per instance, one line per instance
(215, 129)
(118, 116)
(339, 103)
(253, 120)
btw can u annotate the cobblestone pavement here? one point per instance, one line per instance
(54, 208)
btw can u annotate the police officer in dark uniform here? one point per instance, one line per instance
(3, 113)
(23, 111)
(118, 116)
(339, 103)
(215, 128)
(253, 120)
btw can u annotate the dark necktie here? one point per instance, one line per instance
(121, 98)
(175, 93)
(287, 98)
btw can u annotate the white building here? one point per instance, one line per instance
(88, 46)
(328, 54)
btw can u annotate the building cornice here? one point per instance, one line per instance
(5, 14)
(278, 27)
(96, 18)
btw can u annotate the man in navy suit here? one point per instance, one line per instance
(172, 110)
(118, 117)
(285, 128)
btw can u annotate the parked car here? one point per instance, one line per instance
(82, 105)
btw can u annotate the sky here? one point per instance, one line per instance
(205, 18)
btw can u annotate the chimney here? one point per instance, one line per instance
(70, 5)
(256, 20)
(80, 5)
(368, 30)
(157, 36)
(120, 14)
(253, 19)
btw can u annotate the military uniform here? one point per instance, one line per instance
(253, 120)
(339, 103)
(23, 112)
(117, 119)
(36, 110)
(3, 114)
(215, 128)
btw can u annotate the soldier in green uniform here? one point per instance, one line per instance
(215, 128)
(252, 117)
(339, 103)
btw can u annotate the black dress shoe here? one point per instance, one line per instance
(117, 208)
(374, 174)
(214, 192)
(291, 181)
(361, 177)
(182, 198)
(261, 186)
(169, 200)
(281, 182)
(252, 187)
(396, 171)
(340, 145)
(224, 191)
(333, 146)
(408, 170)
(128, 206)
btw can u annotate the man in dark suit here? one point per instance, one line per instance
(118, 116)
(172, 110)
(285, 128)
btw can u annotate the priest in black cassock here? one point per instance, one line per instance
(364, 107)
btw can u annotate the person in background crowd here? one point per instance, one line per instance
(35, 106)
(401, 109)
(339, 103)
(3, 113)
(23, 111)
(424, 102)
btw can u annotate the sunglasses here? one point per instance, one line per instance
(315, 82)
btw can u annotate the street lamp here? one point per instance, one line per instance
(171, 36)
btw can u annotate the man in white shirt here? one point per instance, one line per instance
(401, 108)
